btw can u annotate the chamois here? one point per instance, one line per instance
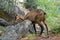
(35, 16)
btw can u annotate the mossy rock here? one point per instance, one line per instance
(5, 15)
(9, 17)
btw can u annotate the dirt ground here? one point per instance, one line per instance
(51, 37)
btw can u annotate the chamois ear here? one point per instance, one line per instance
(16, 17)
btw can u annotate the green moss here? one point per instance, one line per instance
(1, 28)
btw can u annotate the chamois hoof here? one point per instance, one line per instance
(45, 36)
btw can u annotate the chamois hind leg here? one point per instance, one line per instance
(42, 28)
(44, 21)
(46, 27)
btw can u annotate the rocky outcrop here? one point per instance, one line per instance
(17, 31)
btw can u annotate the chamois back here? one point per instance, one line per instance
(34, 15)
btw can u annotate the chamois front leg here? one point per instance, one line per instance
(34, 28)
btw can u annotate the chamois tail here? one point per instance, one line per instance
(44, 13)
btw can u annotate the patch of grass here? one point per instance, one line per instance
(56, 30)
(30, 36)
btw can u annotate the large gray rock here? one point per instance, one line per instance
(9, 33)
(17, 31)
